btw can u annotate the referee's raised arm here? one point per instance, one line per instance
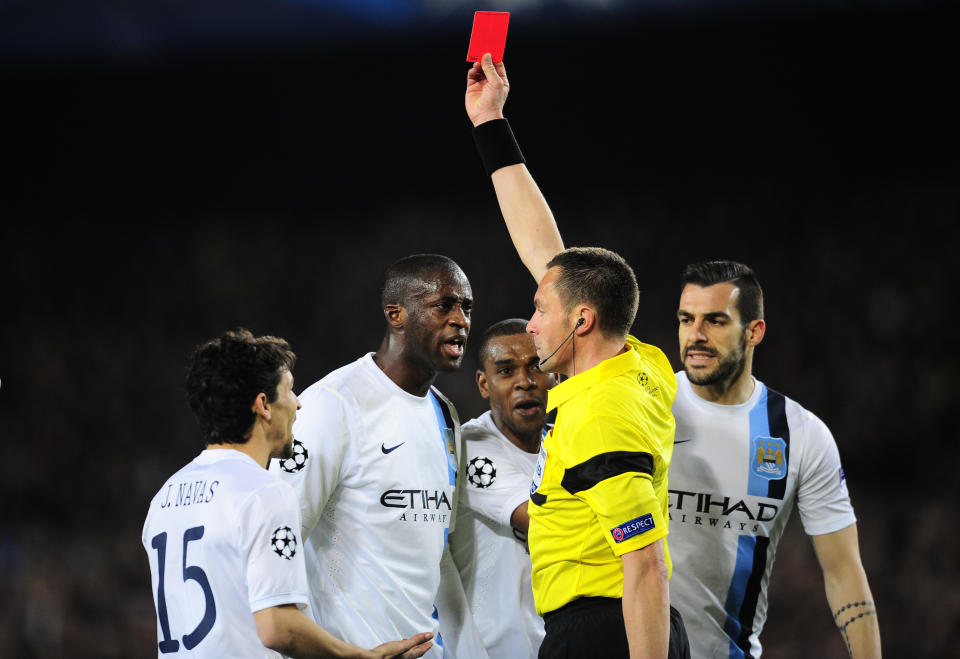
(528, 217)
(611, 423)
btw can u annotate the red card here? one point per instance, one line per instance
(489, 35)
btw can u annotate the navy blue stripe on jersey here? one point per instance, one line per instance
(744, 593)
(538, 499)
(759, 427)
(777, 418)
(769, 436)
(606, 465)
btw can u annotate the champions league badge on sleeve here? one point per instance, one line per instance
(298, 460)
(284, 542)
(634, 527)
(481, 472)
(768, 457)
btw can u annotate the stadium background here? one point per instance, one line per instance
(176, 169)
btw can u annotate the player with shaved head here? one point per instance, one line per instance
(375, 468)
(746, 456)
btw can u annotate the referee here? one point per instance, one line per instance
(598, 513)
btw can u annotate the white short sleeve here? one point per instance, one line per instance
(822, 496)
(270, 534)
(494, 485)
(321, 445)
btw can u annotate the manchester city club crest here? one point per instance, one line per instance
(768, 457)
(451, 442)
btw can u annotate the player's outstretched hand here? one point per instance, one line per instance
(408, 648)
(487, 89)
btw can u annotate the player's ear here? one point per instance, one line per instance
(589, 317)
(482, 383)
(756, 329)
(261, 407)
(396, 315)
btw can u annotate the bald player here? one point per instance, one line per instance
(375, 470)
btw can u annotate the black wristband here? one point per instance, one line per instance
(496, 145)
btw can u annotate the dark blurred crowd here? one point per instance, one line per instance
(92, 394)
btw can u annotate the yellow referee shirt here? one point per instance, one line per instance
(600, 488)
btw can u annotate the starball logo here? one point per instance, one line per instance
(644, 381)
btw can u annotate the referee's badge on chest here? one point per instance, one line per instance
(538, 472)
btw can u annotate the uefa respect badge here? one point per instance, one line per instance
(634, 527)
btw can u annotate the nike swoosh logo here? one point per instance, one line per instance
(681, 441)
(386, 450)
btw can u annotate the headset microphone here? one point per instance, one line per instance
(580, 322)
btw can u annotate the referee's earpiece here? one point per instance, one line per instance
(580, 322)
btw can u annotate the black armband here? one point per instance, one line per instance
(496, 145)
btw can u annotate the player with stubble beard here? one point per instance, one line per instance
(745, 456)
(375, 469)
(502, 446)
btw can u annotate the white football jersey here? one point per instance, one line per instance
(737, 471)
(375, 472)
(222, 539)
(491, 555)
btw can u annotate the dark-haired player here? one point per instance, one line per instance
(222, 533)
(376, 470)
(501, 446)
(745, 456)
(598, 513)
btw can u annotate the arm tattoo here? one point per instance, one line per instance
(848, 614)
